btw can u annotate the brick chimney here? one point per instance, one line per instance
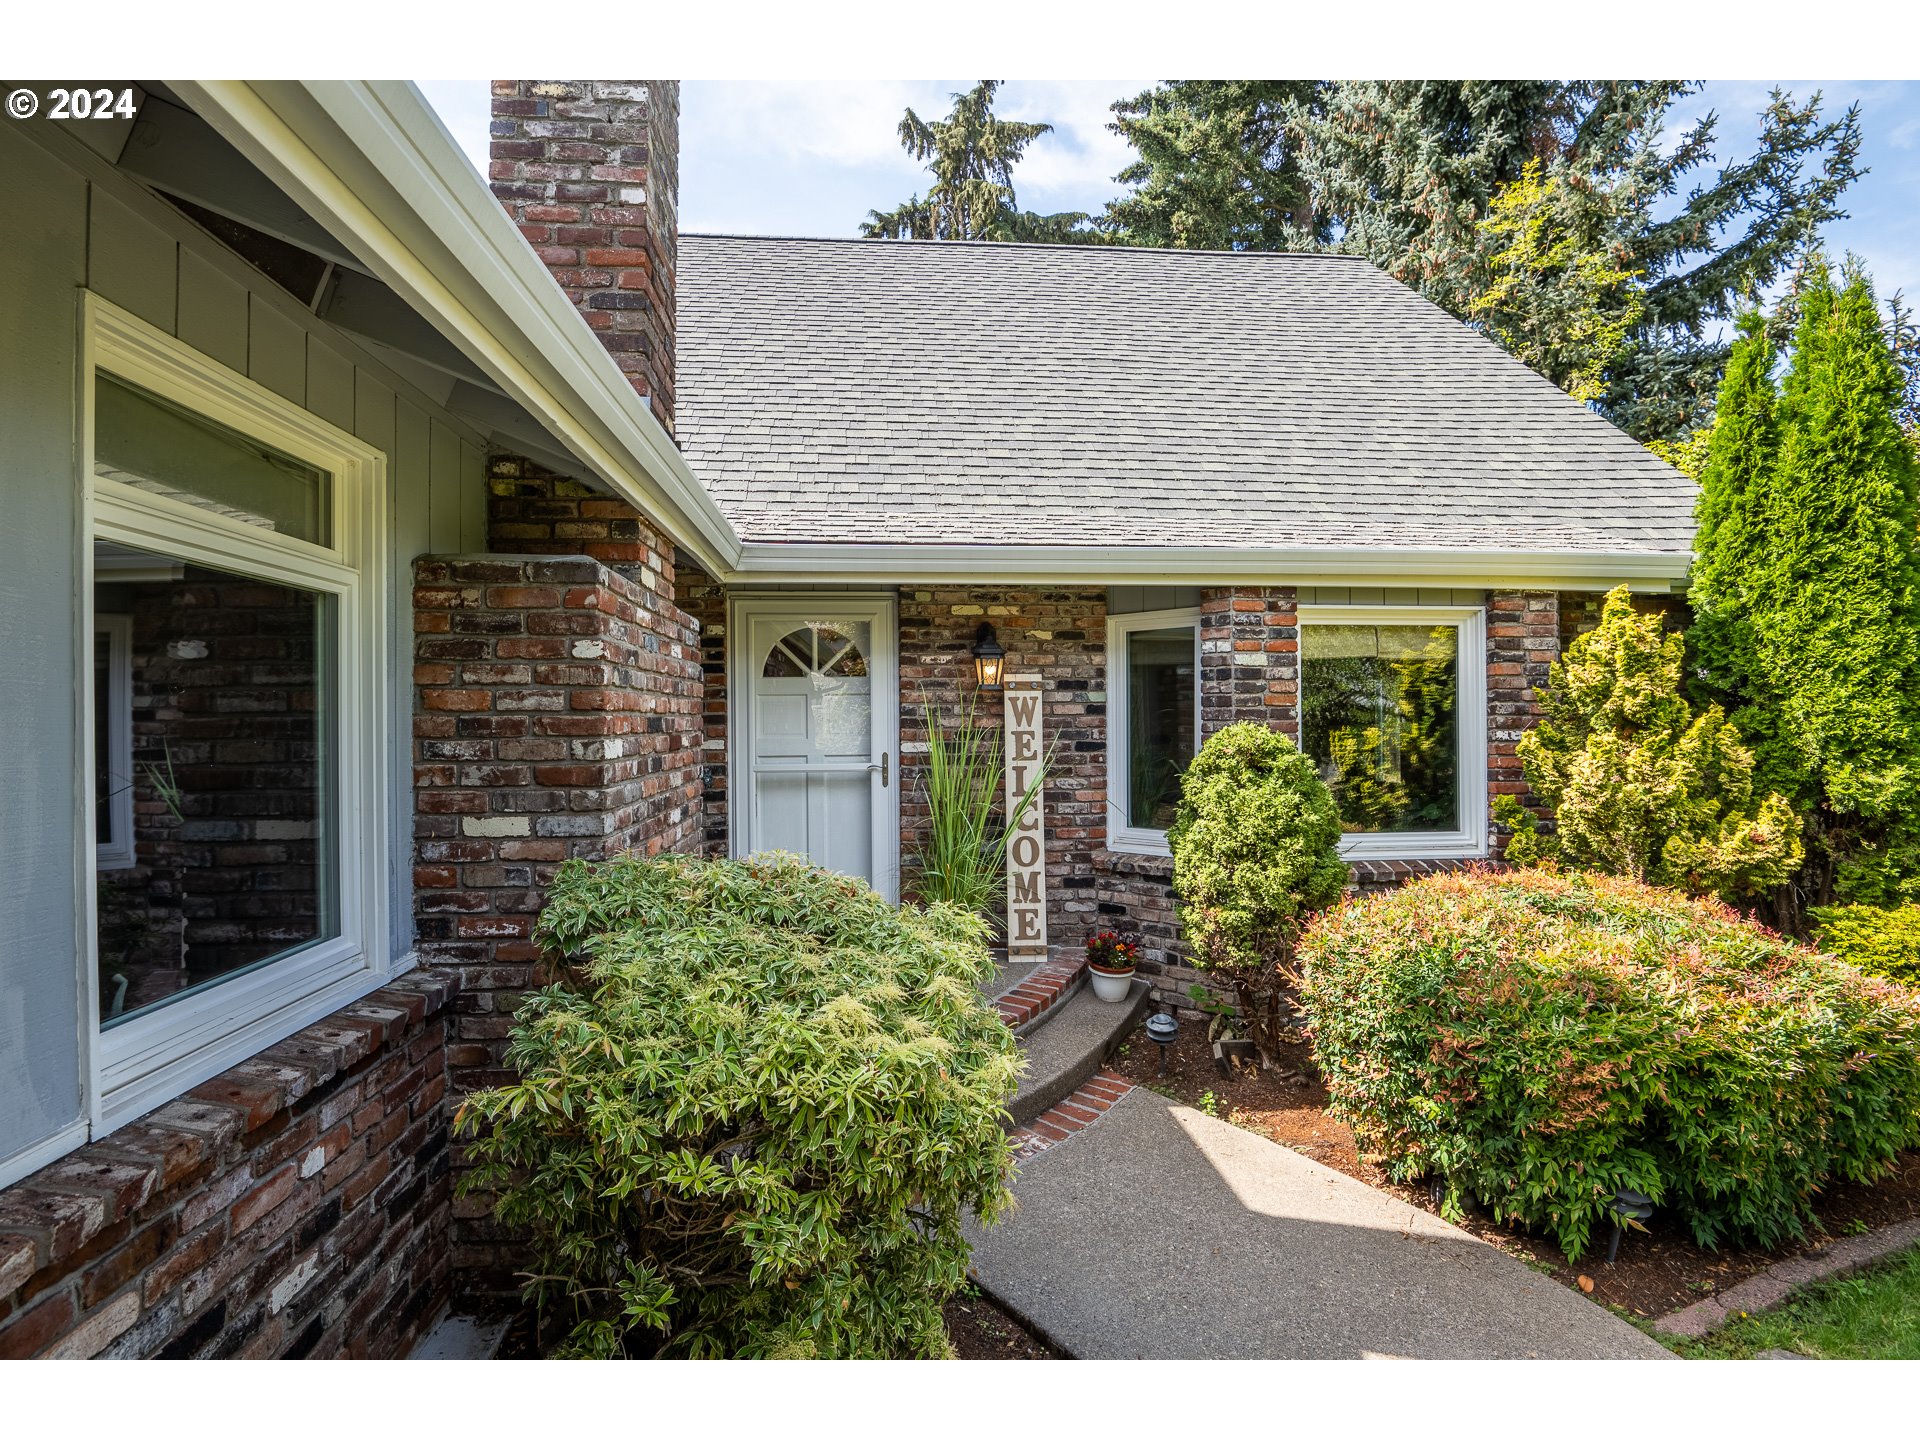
(589, 170)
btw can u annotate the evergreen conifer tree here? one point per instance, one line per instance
(1808, 591)
(1638, 784)
(971, 153)
(1216, 171)
(1743, 447)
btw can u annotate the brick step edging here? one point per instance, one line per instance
(1077, 1112)
(1045, 989)
(1779, 1283)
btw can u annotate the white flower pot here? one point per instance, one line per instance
(1110, 985)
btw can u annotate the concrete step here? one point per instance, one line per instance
(1071, 1041)
(462, 1337)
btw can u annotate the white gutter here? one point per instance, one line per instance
(371, 162)
(1213, 565)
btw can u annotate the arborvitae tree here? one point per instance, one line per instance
(971, 154)
(1742, 448)
(1808, 591)
(1215, 171)
(1638, 784)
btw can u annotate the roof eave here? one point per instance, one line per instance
(1654, 571)
(371, 162)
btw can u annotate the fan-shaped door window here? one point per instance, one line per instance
(816, 649)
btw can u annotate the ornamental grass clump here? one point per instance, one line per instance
(961, 854)
(750, 1120)
(1539, 1041)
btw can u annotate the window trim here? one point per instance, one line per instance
(1469, 842)
(118, 853)
(1124, 838)
(149, 1059)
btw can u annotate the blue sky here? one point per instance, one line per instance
(812, 157)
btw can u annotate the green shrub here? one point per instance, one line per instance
(1255, 852)
(1539, 1041)
(1881, 942)
(1806, 587)
(1638, 784)
(750, 1123)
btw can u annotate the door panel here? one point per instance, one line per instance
(815, 687)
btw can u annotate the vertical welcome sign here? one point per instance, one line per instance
(1026, 847)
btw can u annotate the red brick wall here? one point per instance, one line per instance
(1523, 639)
(1249, 658)
(1061, 635)
(589, 170)
(1135, 896)
(532, 511)
(296, 1206)
(558, 716)
(705, 600)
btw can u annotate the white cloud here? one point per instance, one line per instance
(856, 124)
(1079, 160)
(810, 158)
(838, 123)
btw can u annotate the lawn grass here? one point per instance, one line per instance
(1874, 1315)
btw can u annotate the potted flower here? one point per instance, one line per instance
(1110, 961)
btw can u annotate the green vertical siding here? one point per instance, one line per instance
(98, 232)
(40, 1053)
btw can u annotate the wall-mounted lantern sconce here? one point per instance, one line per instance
(989, 660)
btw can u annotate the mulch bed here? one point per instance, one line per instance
(981, 1330)
(1657, 1272)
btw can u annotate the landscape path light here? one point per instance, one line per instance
(1162, 1029)
(1629, 1207)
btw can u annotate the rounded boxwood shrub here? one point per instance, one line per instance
(1881, 942)
(749, 1122)
(1255, 846)
(1539, 1041)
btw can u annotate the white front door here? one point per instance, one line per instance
(814, 753)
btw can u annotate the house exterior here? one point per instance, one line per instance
(374, 543)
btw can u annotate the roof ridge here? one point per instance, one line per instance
(1019, 245)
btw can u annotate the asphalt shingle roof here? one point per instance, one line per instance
(846, 390)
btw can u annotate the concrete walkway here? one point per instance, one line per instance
(1160, 1233)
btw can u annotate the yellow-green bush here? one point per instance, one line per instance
(751, 1122)
(1881, 942)
(1541, 1040)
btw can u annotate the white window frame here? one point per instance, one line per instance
(1469, 841)
(150, 1058)
(1124, 838)
(118, 853)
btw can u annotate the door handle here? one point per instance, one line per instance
(882, 768)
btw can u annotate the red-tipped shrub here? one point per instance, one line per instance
(1539, 1041)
